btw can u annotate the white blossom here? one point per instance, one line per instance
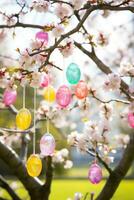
(62, 11)
(113, 82)
(104, 125)
(24, 81)
(40, 5)
(122, 140)
(77, 4)
(14, 185)
(82, 143)
(68, 164)
(67, 50)
(90, 128)
(58, 31)
(77, 196)
(109, 159)
(71, 139)
(64, 152)
(36, 78)
(36, 44)
(59, 118)
(25, 59)
(58, 158)
(106, 110)
(126, 68)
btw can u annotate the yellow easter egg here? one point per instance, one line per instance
(23, 119)
(49, 94)
(34, 165)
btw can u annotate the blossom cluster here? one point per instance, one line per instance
(61, 157)
(95, 137)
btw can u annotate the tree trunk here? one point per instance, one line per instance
(36, 189)
(118, 174)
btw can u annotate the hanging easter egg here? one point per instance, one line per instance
(81, 90)
(47, 144)
(131, 119)
(95, 174)
(9, 96)
(49, 94)
(23, 119)
(42, 37)
(63, 96)
(44, 80)
(34, 165)
(73, 73)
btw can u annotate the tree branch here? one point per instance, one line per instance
(24, 147)
(111, 100)
(119, 172)
(46, 188)
(10, 191)
(76, 29)
(16, 165)
(104, 68)
(109, 7)
(22, 25)
(93, 153)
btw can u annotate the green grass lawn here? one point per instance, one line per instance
(63, 189)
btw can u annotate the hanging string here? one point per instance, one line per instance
(34, 132)
(95, 153)
(63, 75)
(48, 106)
(24, 96)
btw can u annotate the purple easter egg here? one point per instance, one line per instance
(42, 37)
(47, 144)
(9, 97)
(95, 174)
(131, 119)
(63, 96)
(44, 80)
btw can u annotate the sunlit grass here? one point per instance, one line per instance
(63, 189)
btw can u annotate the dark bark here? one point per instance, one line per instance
(119, 172)
(49, 176)
(127, 159)
(103, 67)
(18, 168)
(10, 191)
(36, 189)
(24, 147)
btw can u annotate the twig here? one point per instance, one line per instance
(104, 68)
(111, 100)
(109, 7)
(93, 153)
(22, 25)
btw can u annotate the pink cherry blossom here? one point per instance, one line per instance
(62, 11)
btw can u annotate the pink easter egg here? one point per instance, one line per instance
(131, 119)
(9, 97)
(44, 80)
(63, 96)
(42, 37)
(95, 174)
(47, 144)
